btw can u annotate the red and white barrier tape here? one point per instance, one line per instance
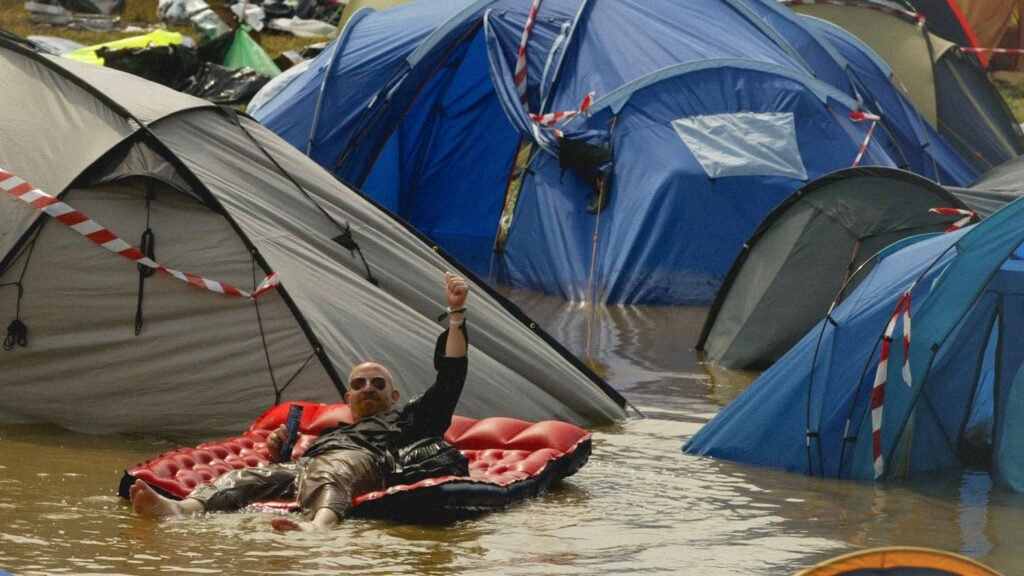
(520, 70)
(551, 118)
(918, 17)
(968, 215)
(89, 228)
(554, 117)
(878, 390)
(993, 50)
(858, 116)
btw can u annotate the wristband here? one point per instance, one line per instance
(448, 311)
(456, 323)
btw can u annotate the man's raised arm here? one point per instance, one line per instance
(455, 291)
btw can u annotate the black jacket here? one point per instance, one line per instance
(426, 416)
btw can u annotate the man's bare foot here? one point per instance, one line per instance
(147, 502)
(323, 520)
(289, 524)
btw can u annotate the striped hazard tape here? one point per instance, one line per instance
(554, 117)
(519, 74)
(858, 116)
(89, 228)
(968, 215)
(915, 16)
(992, 50)
(520, 70)
(881, 374)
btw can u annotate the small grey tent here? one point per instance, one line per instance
(1007, 178)
(995, 188)
(96, 344)
(794, 266)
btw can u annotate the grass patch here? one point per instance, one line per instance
(1014, 96)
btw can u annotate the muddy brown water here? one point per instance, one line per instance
(639, 506)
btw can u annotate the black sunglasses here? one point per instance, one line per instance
(378, 382)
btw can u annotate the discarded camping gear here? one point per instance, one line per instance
(509, 460)
(858, 397)
(223, 85)
(87, 14)
(229, 69)
(157, 37)
(106, 348)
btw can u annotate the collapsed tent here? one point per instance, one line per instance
(643, 197)
(810, 251)
(951, 91)
(845, 402)
(96, 342)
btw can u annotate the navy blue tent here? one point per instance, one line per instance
(645, 197)
(960, 401)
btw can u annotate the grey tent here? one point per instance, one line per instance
(949, 89)
(995, 188)
(1006, 179)
(109, 349)
(795, 264)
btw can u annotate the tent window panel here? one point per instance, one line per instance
(744, 144)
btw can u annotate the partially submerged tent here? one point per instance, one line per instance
(864, 396)
(790, 271)
(951, 91)
(808, 253)
(636, 201)
(96, 343)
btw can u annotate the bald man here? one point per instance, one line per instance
(382, 446)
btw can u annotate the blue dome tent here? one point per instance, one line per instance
(954, 400)
(628, 202)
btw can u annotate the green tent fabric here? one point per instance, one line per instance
(246, 52)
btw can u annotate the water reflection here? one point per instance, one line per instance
(640, 505)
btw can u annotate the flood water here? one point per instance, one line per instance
(639, 506)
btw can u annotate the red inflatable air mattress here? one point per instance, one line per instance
(509, 460)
